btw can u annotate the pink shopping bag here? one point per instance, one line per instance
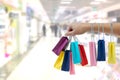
(92, 48)
(72, 68)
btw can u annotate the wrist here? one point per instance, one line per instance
(86, 27)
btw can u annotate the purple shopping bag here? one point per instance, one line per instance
(60, 45)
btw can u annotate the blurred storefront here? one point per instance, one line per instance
(19, 29)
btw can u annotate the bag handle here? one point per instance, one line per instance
(111, 29)
(76, 39)
(92, 32)
(70, 38)
(100, 25)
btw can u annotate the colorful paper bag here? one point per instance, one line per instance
(60, 45)
(101, 51)
(83, 55)
(111, 53)
(66, 61)
(72, 68)
(59, 61)
(101, 56)
(75, 52)
(92, 48)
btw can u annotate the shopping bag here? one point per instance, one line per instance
(59, 60)
(111, 53)
(101, 51)
(66, 61)
(111, 48)
(83, 55)
(75, 52)
(72, 68)
(60, 45)
(92, 48)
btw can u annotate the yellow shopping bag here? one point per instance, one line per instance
(111, 53)
(59, 61)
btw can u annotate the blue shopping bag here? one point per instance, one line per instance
(66, 61)
(75, 52)
(101, 51)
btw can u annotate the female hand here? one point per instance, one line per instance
(77, 28)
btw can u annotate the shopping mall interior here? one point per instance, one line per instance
(31, 29)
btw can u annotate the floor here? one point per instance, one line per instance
(38, 65)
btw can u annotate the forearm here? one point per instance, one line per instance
(106, 26)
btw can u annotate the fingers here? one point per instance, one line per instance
(70, 29)
(70, 33)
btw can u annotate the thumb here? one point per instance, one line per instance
(71, 33)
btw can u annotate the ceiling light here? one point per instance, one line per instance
(101, 0)
(60, 10)
(63, 6)
(65, 2)
(95, 3)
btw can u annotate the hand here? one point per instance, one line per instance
(76, 28)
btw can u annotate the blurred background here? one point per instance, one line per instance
(29, 29)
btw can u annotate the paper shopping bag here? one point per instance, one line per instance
(66, 61)
(83, 55)
(111, 53)
(75, 52)
(59, 60)
(72, 68)
(101, 51)
(60, 45)
(92, 48)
